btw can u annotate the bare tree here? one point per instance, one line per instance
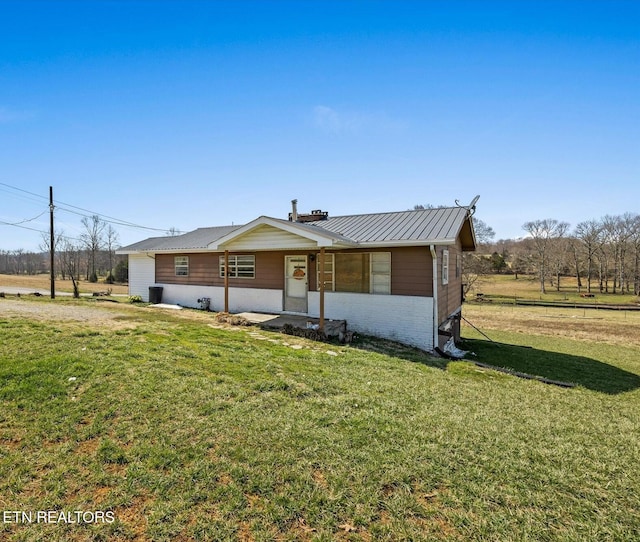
(111, 239)
(44, 246)
(93, 240)
(484, 232)
(589, 235)
(635, 246)
(625, 231)
(72, 257)
(475, 265)
(558, 253)
(543, 234)
(617, 232)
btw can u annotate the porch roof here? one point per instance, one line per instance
(267, 233)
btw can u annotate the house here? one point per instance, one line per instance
(396, 275)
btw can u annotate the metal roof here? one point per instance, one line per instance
(313, 227)
(424, 226)
(193, 240)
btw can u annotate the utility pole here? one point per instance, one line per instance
(51, 244)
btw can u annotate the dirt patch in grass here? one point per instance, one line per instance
(42, 282)
(89, 447)
(114, 318)
(134, 517)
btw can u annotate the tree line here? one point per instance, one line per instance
(89, 256)
(601, 254)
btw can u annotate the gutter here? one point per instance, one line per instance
(434, 259)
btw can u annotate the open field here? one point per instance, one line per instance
(42, 282)
(505, 288)
(186, 430)
(572, 345)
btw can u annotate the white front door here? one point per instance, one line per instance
(296, 283)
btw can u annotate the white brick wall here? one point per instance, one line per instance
(187, 296)
(255, 299)
(406, 319)
(240, 299)
(142, 274)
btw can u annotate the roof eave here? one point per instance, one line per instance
(407, 243)
(322, 238)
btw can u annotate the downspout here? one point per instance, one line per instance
(321, 279)
(434, 259)
(226, 281)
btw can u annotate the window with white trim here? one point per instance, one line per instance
(241, 266)
(329, 282)
(181, 266)
(380, 273)
(356, 272)
(445, 266)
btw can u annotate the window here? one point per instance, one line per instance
(329, 282)
(240, 266)
(458, 266)
(352, 272)
(181, 264)
(445, 267)
(380, 273)
(356, 272)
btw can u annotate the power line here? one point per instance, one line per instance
(20, 196)
(22, 190)
(19, 226)
(110, 219)
(25, 220)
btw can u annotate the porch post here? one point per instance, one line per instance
(321, 279)
(226, 281)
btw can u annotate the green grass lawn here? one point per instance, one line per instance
(189, 432)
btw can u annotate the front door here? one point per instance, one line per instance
(296, 283)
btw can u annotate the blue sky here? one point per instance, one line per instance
(188, 114)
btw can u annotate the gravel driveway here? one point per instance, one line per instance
(61, 311)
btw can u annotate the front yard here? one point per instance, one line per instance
(185, 430)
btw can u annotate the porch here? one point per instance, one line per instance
(332, 328)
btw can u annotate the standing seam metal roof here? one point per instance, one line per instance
(424, 225)
(193, 240)
(421, 225)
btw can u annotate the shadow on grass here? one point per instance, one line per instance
(398, 350)
(589, 373)
(582, 371)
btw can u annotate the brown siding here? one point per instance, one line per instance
(411, 270)
(204, 270)
(269, 272)
(450, 295)
(200, 269)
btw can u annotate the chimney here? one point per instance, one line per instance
(315, 216)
